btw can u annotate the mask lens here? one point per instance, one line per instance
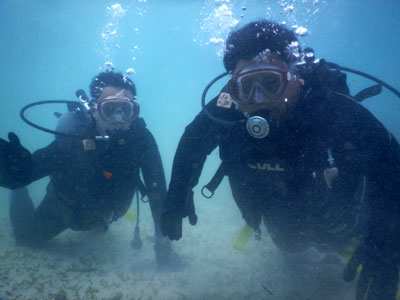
(109, 107)
(271, 81)
(245, 84)
(127, 108)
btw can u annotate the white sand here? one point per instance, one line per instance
(215, 270)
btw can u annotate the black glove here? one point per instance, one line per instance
(171, 219)
(171, 224)
(14, 162)
(379, 274)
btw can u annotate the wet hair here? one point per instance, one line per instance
(255, 38)
(112, 79)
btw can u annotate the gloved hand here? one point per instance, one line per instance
(171, 224)
(171, 219)
(379, 275)
(14, 161)
(166, 258)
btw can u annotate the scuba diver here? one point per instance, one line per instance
(94, 163)
(300, 154)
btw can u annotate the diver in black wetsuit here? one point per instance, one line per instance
(301, 154)
(92, 182)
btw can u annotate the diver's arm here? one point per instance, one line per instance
(379, 252)
(153, 175)
(200, 138)
(371, 148)
(46, 160)
(19, 167)
(15, 162)
(384, 173)
(377, 153)
(58, 153)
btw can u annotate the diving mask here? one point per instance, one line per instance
(258, 84)
(117, 105)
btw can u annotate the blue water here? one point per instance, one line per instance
(49, 49)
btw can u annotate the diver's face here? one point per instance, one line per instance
(264, 83)
(115, 110)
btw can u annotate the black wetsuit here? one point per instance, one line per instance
(280, 178)
(88, 187)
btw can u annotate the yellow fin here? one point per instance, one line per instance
(243, 237)
(349, 251)
(130, 215)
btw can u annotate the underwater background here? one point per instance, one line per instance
(171, 49)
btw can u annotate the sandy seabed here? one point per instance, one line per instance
(80, 265)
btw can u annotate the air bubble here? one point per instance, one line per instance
(130, 71)
(301, 31)
(116, 10)
(289, 8)
(216, 41)
(109, 65)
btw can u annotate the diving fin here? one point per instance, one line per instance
(243, 237)
(130, 215)
(354, 267)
